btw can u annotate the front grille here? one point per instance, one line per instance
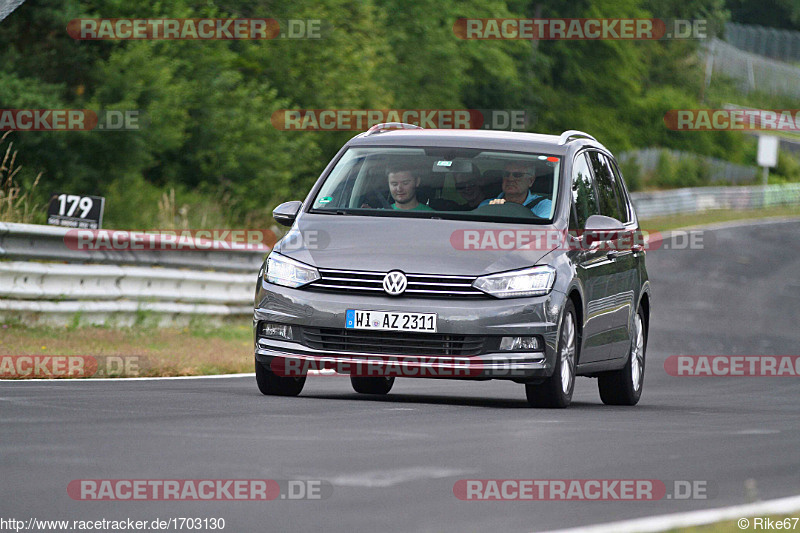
(424, 285)
(392, 343)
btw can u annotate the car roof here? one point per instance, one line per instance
(483, 139)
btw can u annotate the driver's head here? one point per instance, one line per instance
(517, 179)
(403, 185)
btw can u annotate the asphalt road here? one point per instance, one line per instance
(393, 461)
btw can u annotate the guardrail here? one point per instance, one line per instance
(770, 42)
(695, 200)
(99, 293)
(752, 71)
(49, 243)
(42, 279)
(45, 280)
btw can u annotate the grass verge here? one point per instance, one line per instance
(193, 351)
(713, 217)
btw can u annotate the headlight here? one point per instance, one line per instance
(534, 281)
(287, 272)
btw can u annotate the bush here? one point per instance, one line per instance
(679, 171)
(788, 169)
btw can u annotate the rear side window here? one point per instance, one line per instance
(607, 189)
(622, 198)
(583, 192)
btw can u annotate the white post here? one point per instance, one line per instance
(767, 153)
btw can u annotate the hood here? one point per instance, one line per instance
(414, 245)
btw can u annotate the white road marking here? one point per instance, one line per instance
(692, 518)
(389, 478)
(738, 223)
(210, 376)
(92, 380)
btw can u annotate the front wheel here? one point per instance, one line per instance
(378, 385)
(556, 391)
(271, 384)
(624, 386)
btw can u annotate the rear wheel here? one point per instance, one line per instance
(556, 391)
(272, 384)
(379, 385)
(624, 386)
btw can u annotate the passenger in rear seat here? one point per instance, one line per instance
(469, 188)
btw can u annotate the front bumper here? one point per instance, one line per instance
(489, 317)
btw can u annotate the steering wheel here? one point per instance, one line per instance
(375, 195)
(507, 209)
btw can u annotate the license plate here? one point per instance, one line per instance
(390, 321)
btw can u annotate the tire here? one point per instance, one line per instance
(271, 384)
(379, 385)
(624, 386)
(556, 391)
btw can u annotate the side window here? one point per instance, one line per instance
(622, 198)
(607, 191)
(583, 192)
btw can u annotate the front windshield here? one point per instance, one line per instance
(442, 182)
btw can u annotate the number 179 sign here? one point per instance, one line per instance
(76, 211)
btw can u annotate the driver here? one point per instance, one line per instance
(403, 187)
(517, 180)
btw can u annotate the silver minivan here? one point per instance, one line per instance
(459, 254)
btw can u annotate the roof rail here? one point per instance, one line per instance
(569, 134)
(388, 126)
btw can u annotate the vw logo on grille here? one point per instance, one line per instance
(395, 282)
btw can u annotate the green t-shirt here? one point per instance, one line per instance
(420, 207)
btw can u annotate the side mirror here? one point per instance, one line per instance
(285, 213)
(602, 228)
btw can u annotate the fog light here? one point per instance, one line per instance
(276, 331)
(520, 344)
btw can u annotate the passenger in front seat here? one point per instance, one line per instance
(517, 180)
(403, 188)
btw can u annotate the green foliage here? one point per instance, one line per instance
(632, 174)
(783, 14)
(207, 153)
(675, 172)
(788, 169)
